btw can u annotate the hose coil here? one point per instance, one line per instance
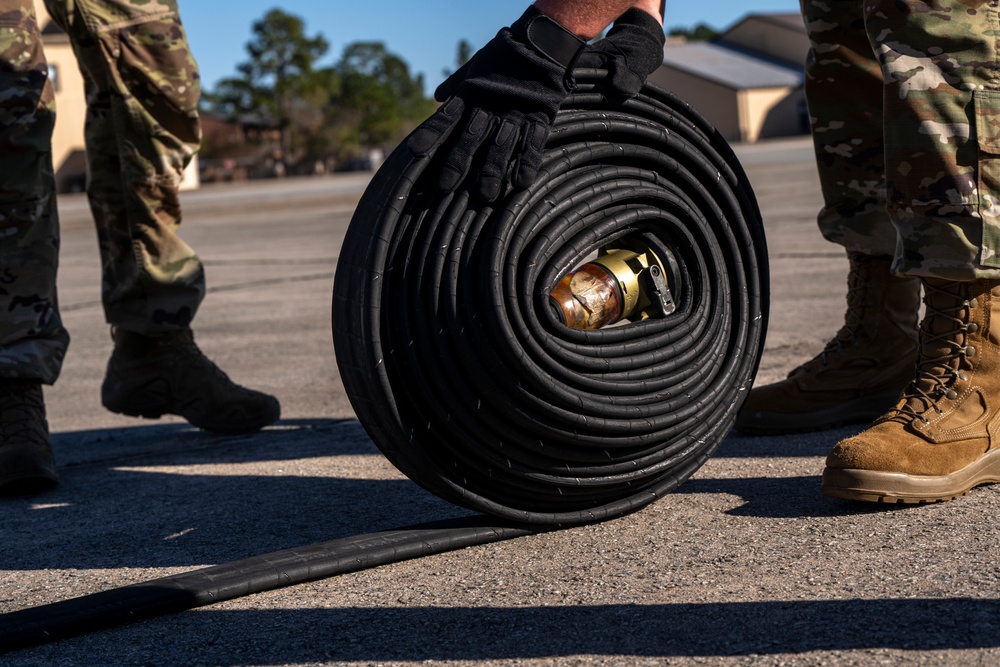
(471, 385)
(466, 379)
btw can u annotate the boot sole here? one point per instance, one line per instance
(249, 424)
(895, 487)
(864, 409)
(24, 473)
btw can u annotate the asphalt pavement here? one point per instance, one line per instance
(746, 564)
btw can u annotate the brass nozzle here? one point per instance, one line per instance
(588, 298)
(619, 284)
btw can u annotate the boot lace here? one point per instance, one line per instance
(944, 354)
(857, 286)
(22, 411)
(197, 360)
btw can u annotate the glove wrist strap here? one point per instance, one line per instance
(550, 38)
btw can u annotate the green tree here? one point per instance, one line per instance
(368, 98)
(700, 33)
(463, 53)
(279, 81)
(378, 96)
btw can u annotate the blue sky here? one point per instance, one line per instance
(425, 33)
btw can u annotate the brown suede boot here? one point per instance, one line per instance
(942, 437)
(860, 373)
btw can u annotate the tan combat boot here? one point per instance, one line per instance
(860, 373)
(942, 437)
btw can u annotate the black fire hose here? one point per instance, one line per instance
(464, 376)
(471, 385)
(119, 606)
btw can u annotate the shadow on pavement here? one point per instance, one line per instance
(784, 498)
(122, 504)
(285, 636)
(173, 496)
(113, 511)
(768, 446)
(182, 444)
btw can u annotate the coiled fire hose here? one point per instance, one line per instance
(466, 376)
(470, 340)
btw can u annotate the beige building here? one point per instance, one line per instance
(748, 81)
(69, 156)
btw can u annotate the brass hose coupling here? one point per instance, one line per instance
(627, 283)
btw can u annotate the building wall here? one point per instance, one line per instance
(68, 154)
(717, 103)
(743, 116)
(773, 112)
(772, 38)
(742, 113)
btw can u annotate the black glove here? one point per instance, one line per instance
(504, 101)
(631, 51)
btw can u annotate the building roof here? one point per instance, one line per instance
(730, 67)
(789, 20)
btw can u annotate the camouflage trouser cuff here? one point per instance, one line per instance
(34, 358)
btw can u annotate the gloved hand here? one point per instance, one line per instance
(504, 101)
(631, 51)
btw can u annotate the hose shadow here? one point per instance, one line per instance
(377, 635)
(818, 443)
(165, 496)
(783, 498)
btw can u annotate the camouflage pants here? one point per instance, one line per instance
(904, 99)
(141, 130)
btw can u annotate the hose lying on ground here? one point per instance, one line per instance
(148, 599)
(467, 380)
